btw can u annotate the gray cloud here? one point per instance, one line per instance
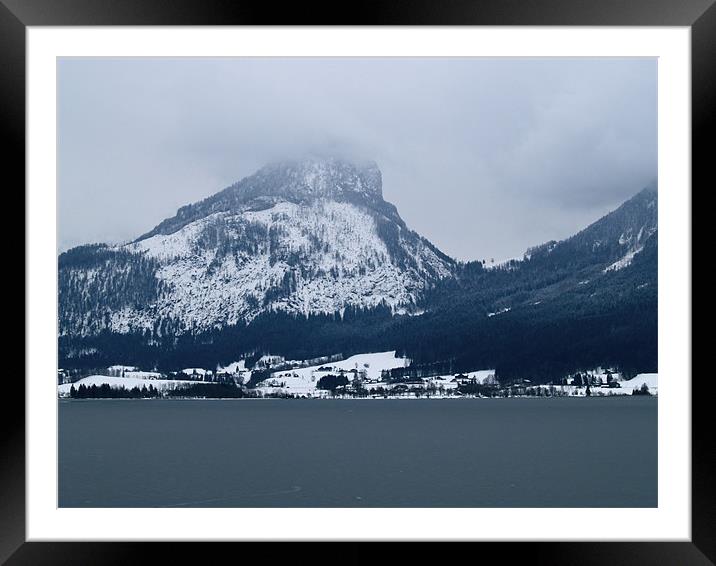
(483, 156)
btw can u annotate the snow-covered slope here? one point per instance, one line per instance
(315, 258)
(371, 365)
(614, 240)
(304, 380)
(650, 379)
(303, 237)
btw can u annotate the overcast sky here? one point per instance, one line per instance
(485, 157)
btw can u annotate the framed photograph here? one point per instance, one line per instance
(422, 276)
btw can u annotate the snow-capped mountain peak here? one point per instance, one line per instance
(298, 181)
(303, 237)
(320, 178)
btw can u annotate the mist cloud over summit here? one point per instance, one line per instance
(485, 157)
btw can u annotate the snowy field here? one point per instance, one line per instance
(626, 386)
(484, 376)
(303, 380)
(373, 364)
(119, 382)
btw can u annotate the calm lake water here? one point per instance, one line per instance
(561, 452)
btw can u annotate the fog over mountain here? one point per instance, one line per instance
(484, 157)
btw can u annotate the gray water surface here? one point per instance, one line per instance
(559, 452)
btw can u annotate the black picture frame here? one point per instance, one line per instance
(699, 15)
